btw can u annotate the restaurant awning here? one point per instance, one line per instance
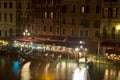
(112, 51)
(109, 44)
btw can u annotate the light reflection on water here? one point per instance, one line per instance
(25, 71)
(16, 67)
(63, 70)
(112, 74)
(80, 74)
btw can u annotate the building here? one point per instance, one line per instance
(46, 17)
(7, 18)
(92, 21)
(23, 16)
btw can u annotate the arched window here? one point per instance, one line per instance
(113, 32)
(104, 32)
(97, 8)
(64, 8)
(10, 32)
(5, 33)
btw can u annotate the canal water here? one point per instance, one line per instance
(16, 69)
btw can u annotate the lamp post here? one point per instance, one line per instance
(26, 33)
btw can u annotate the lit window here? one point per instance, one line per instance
(83, 9)
(45, 14)
(51, 14)
(114, 13)
(105, 12)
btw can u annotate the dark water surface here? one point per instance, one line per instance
(19, 69)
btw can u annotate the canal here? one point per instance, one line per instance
(16, 69)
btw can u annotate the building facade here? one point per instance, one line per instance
(46, 16)
(23, 16)
(7, 18)
(92, 21)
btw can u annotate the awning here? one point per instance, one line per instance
(109, 44)
(112, 51)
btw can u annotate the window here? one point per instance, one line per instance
(45, 15)
(85, 22)
(64, 8)
(19, 5)
(5, 4)
(11, 17)
(73, 21)
(114, 12)
(82, 21)
(0, 17)
(58, 14)
(106, 0)
(98, 9)
(38, 27)
(0, 33)
(64, 21)
(28, 16)
(97, 24)
(73, 9)
(104, 35)
(96, 33)
(83, 9)
(10, 5)
(63, 30)
(86, 32)
(50, 28)
(81, 32)
(5, 17)
(72, 32)
(58, 30)
(58, 1)
(44, 28)
(28, 5)
(0, 4)
(105, 12)
(87, 9)
(114, 0)
(51, 14)
(51, 1)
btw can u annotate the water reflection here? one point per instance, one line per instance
(25, 71)
(11, 69)
(112, 74)
(16, 67)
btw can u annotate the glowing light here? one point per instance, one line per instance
(25, 72)
(16, 65)
(81, 46)
(76, 49)
(80, 74)
(118, 27)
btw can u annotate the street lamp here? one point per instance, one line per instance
(26, 33)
